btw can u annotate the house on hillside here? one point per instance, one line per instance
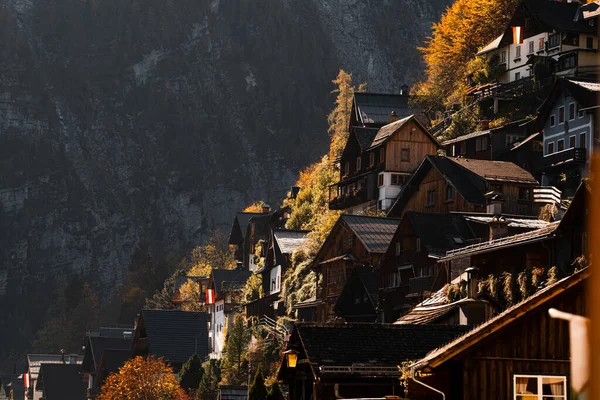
(355, 360)
(237, 236)
(257, 234)
(97, 342)
(223, 298)
(173, 335)
(487, 144)
(282, 244)
(444, 184)
(353, 240)
(527, 153)
(61, 382)
(35, 362)
(372, 110)
(556, 244)
(359, 299)
(409, 265)
(375, 164)
(570, 135)
(546, 37)
(522, 353)
(202, 284)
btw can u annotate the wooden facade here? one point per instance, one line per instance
(523, 340)
(436, 182)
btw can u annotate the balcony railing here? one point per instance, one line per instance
(576, 155)
(348, 199)
(420, 284)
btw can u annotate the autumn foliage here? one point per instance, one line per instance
(143, 378)
(464, 28)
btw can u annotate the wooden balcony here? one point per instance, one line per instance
(350, 199)
(576, 155)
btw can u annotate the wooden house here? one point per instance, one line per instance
(556, 244)
(521, 353)
(562, 35)
(372, 110)
(354, 240)
(173, 335)
(61, 382)
(407, 270)
(359, 300)
(35, 362)
(237, 235)
(527, 153)
(282, 244)
(444, 184)
(356, 360)
(257, 234)
(375, 164)
(487, 144)
(223, 299)
(567, 118)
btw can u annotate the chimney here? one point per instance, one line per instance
(494, 203)
(393, 117)
(473, 311)
(62, 355)
(498, 227)
(484, 124)
(266, 208)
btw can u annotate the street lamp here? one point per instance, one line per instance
(291, 357)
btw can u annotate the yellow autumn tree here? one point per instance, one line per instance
(464, 28)
(255, 207)
(143, 378)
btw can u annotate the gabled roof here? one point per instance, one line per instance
(509, 316)
(62, 382)
(439, 233)
(511, 125)
(228, 279)
(387, 131)
(584, 93)
(364, 136)
(522, 223)
(375, 233)
(535, 235)
(498, 171)
(96, 345)
(110, 362)
(493, 45)
(35, 361)
(288, 241)
(172, 333)
(366, 277)
(375, 108)
(368, 344)
(241, 222)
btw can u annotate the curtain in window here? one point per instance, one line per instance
(556, 385)
(521, 385)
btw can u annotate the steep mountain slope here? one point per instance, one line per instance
(155, 120)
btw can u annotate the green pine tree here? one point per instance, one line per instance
(191, 373)
(209, 384)
(258, 390)
(275, 392)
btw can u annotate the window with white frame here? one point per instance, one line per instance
(539, 387)
(531, 47)
(541, 43)
(561, 114)
(518, 52)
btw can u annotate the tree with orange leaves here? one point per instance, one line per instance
(143, 378)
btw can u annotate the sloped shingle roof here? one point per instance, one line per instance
(439, 233)
(365, 136)
(374, 233)
(502, 171)
(289, 241)
(172, 333)
(62, 382)
(226, 279)
(372, 344)
(375, 108)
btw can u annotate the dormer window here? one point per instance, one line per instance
(358, 164)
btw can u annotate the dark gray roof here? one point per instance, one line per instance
(111, 361)
(365, 136)
(289, 241)
(62, 382)
(230, 392)
(226, 279)
(374, 233)
(244, 218)
(375, 108)
(370, 280)
(470, 186)
(97, 345)
(172, 333)
(499, 171)
(559, 16)
(372, 344)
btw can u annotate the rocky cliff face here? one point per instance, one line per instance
(156, 120)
